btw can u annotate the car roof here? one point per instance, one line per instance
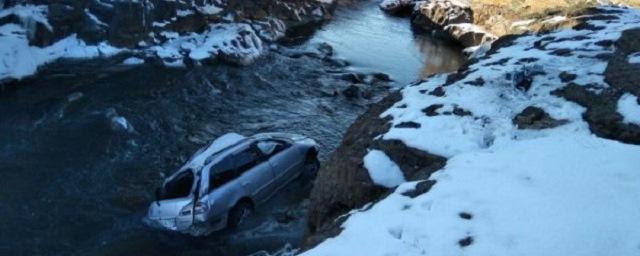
(224, 146)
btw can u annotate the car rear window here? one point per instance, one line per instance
(179, 186)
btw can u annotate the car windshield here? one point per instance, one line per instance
(179, 186)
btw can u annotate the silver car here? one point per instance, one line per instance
(223, 182)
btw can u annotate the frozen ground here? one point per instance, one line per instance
(504, 190)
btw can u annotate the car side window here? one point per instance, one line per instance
(246, 159)
(221, 173)
(233, 166)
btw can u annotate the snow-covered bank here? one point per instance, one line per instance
(525, 175)
(18, 59)
(37, 33)
(552, 195)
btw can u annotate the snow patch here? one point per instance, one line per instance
(18, 59)
(382, 170)
(629, 108)
(634, 58)
(209, 9)
(95, 19)
(133, 61)
(29, 15)
(238, 42)
(184, 13)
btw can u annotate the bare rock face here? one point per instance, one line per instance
(343, 183)
(440, 13)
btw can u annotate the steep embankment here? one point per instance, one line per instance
(174, 33)
(539, 142)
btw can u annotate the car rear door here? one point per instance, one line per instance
(285, 161)
(255, 174)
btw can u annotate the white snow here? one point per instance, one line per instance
(18, 59)
(555, 195)
(183, 13)
(28, 14)
(94, 18)
(209, 9)
(236, 41)
(199, 158)
(634, 58)
(133, 61)
(382, 170)
(522, 23)
(629, 108)
(555, 19)
(558, 191)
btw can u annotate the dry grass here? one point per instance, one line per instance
(533, 8)
(497, 15)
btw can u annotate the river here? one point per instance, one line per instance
(74, 185)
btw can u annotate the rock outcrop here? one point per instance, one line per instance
(167, 29)
(397, 7)
(473, 23)
(454, 18)
(344, 184)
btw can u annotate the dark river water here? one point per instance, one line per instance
(73, 184)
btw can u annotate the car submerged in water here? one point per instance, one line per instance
(225, 180)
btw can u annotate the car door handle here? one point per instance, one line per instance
(245, 183)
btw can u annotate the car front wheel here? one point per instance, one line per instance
(238, 214)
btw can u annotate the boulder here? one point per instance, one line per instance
(435, 15)
(469, 34)
(535, 118)
(397, 7)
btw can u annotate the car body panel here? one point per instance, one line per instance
(228, 163)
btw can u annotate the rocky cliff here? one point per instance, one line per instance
(555, 83)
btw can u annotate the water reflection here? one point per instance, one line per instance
(374, 41)
(438, 56)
